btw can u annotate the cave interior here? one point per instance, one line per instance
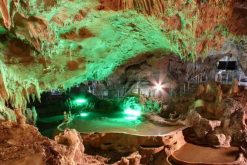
(123, 82)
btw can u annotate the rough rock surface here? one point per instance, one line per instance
(144, 149)
(217, 118)
(23, 144)
(127, 143)
(48, 44)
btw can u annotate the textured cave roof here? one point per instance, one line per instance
(46, 44)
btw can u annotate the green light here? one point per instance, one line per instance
(131, 118)
(80, 101)
(2, 30)
(132, 112)
(84, 114)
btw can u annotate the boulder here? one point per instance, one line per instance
(202, 126)
(23, 144)
(219, 139)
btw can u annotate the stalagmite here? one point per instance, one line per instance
(20, 118)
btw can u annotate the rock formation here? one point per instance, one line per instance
(214, 121)
(63, 38)
(56, 44)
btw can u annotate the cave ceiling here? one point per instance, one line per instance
(48, 44)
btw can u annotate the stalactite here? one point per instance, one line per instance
(15, 92)
(6, 113)
(21, 119)
(159, 6)
(148, 7)
(37, 91)
(124, 4)
(119, 4)
(148, 10)
(3, 92)
(25, 93)
(32, 96)
(144, 6)
(4, 9)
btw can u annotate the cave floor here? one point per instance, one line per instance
(201, 154)
(96, 122)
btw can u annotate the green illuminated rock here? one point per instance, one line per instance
(57, 44)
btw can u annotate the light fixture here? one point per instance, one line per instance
(132, 112)
(83, 114)
(158, 87)
(79, 101)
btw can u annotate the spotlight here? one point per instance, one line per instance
(83, 114)
(132, 112)
(79, 101)
(158, 87)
